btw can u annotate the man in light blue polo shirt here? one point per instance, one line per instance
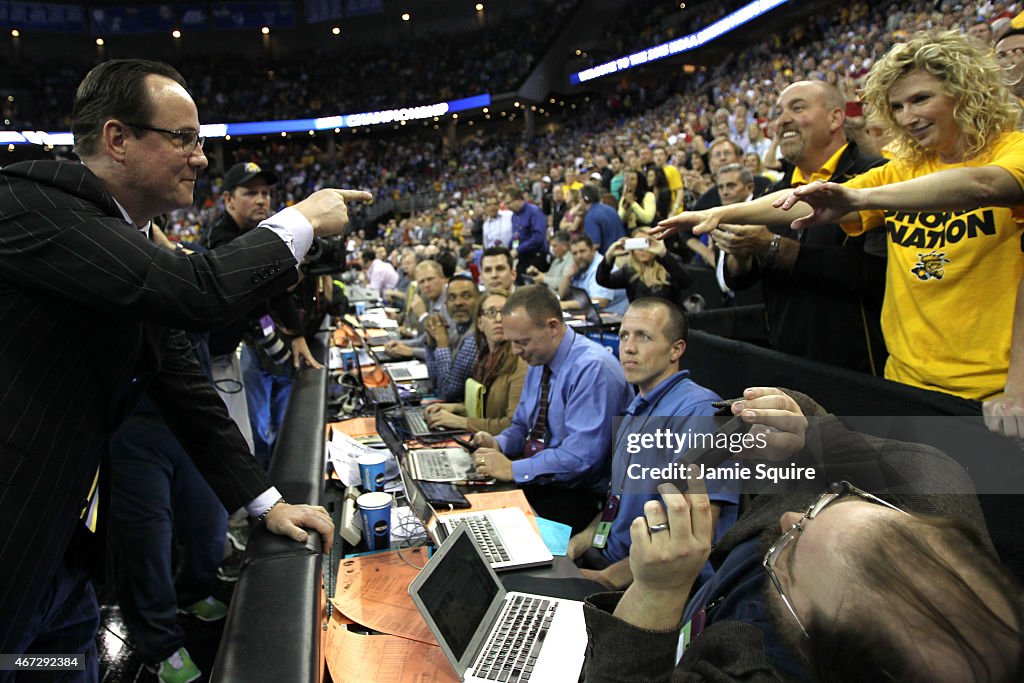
(582, 273)
(558, 446)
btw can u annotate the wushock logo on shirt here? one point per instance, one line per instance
(936, 232)
(930, 265)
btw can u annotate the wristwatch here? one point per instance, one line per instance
(768, 257)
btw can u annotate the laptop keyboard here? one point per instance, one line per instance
(487, 538)
(379, 395)
(434, 465)
(416, 422)
(512, 652)
(400, 374)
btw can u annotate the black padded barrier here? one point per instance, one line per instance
(273, 626)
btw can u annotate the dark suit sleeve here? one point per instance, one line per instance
(106, 265)
(197, 417)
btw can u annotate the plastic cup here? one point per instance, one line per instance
(360, 308)
(348, 358)
(376, 511)
(371, 471)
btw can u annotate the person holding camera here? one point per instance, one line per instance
(268, 358)
(650, 270)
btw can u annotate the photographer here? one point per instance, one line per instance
(267, 358)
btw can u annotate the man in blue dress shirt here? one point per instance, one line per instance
(652, 340)
(558, 445)
(529, 232)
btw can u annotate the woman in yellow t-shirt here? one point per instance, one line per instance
(952, 203)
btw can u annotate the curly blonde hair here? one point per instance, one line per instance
(983, 106)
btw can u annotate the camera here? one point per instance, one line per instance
(326, 255)
(634, 243)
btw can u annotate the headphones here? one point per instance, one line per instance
(346, 393)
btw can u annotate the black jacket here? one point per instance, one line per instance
(281, 305)
(86, 307)
(829, 307)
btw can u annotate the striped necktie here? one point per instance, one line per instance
(540, 425)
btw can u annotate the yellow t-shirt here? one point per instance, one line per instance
(675, 180)
(951, 281)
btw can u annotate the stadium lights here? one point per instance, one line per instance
(405, 16)
(335, 30)
(479, 7)
(364, 120)
(15, 33)
(99, 42)
(175, 33)
(728, 23)
(265, 30)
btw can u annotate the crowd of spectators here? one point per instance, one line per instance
(422, 68)
(677, 111)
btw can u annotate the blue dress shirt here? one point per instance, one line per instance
(676, 396)
(586, 391)
(530, 227)
(617, 301)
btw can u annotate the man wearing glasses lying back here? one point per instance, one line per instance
(837, 584)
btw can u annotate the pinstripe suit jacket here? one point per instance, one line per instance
(87, 307)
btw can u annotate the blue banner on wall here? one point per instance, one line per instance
(323, 10)
(240, 15)
(355, 8)
(42, 16)
(121, 19)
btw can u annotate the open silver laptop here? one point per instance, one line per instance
(505, 535)
(482, 629)
(428, 464)
(408, 371)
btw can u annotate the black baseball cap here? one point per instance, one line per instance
(240, 174)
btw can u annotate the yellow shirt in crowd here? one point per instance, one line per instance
(951, 281)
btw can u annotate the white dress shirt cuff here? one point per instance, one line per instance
(263, 501)
(293, 229)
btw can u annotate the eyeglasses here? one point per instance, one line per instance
(835, 492)
(1014, 51)
(490, 313)
(189, 138)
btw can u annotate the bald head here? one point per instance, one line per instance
(810, 124)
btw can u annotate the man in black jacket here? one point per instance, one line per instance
(823, 290)
(88, 303)
(265, 375)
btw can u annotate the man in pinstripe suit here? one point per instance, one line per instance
(87, 307)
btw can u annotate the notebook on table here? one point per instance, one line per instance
(489, 634)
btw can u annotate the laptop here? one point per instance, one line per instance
(428, 464)
(489, 634)
(408, 371)
(505, 535)
(414, 420)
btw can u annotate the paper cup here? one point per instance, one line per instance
(371, 471)
(376, 511)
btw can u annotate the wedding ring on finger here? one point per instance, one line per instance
(655, 528)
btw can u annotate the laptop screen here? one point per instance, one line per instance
(458, 593)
